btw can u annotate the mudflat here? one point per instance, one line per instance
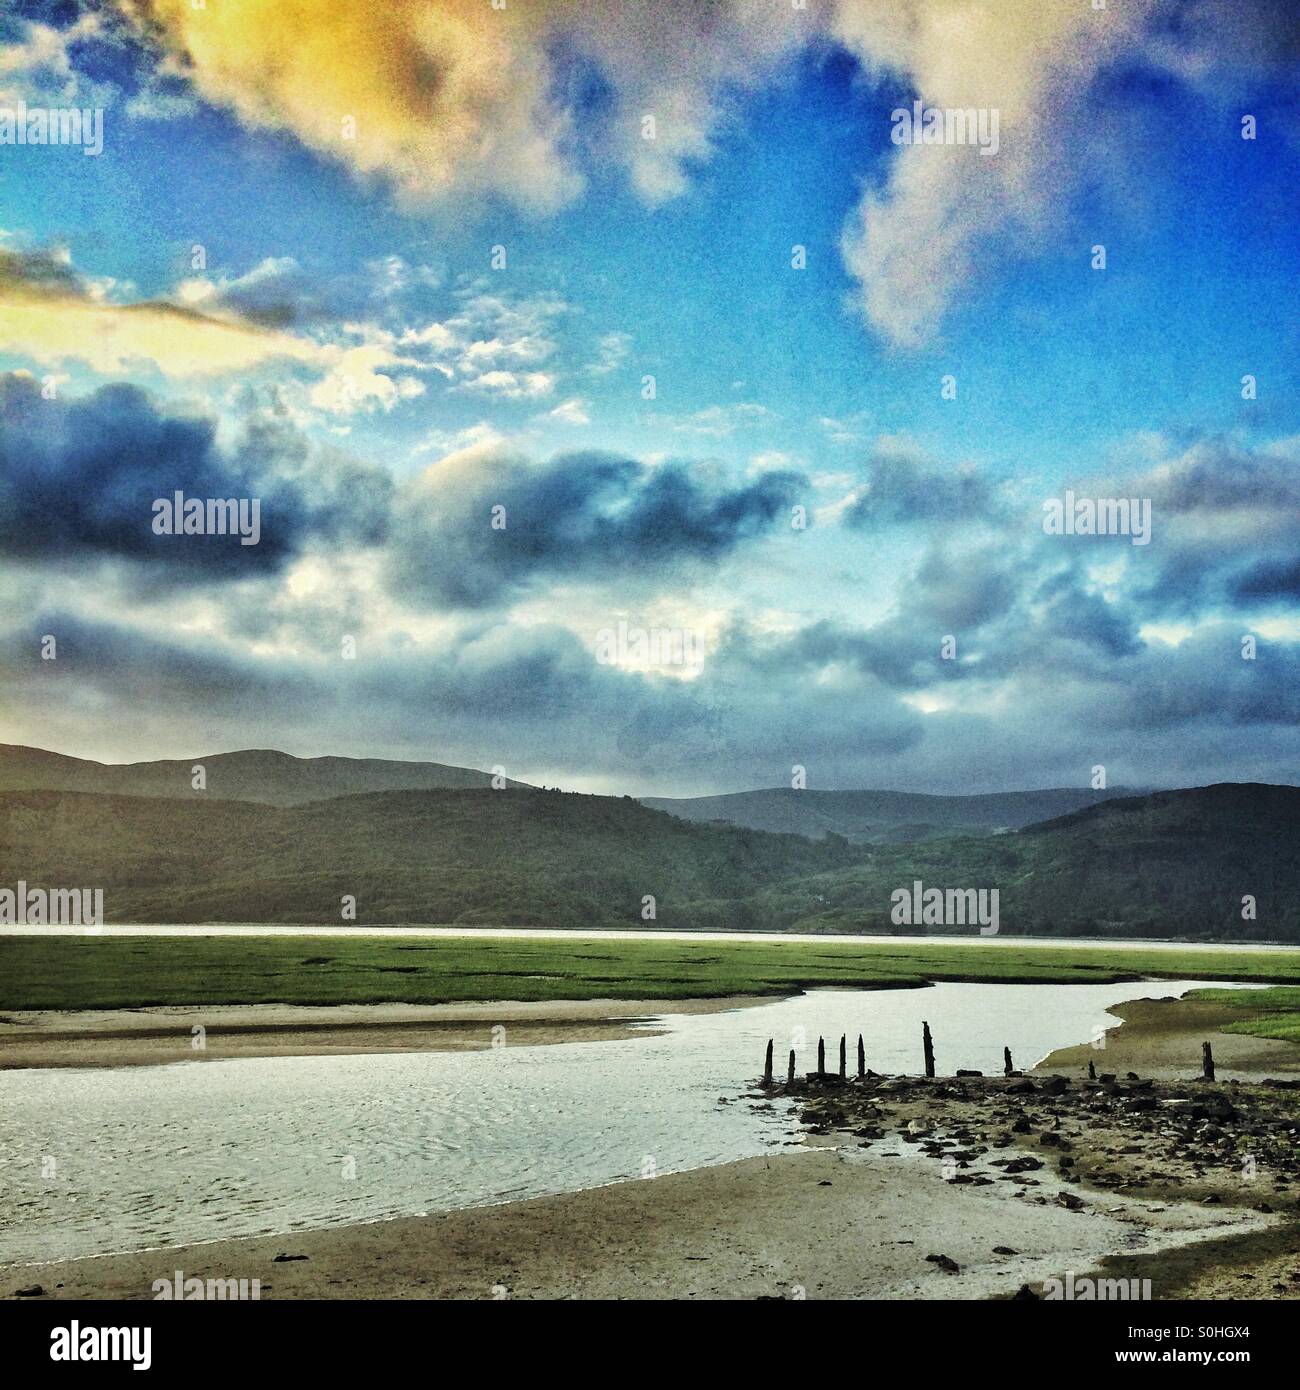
(155, 1036)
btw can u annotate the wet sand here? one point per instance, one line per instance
(153, 1036)
(814, 1224)
(1161, 1038)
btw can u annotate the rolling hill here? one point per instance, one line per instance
(1174, 864)
(255, 774)
(520, 857)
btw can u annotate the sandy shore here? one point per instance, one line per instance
(1162, 1038)
(818, 1224)
(919, 1170)
(151, 1036)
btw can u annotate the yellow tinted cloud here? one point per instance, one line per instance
(48, 316)
(428, 96)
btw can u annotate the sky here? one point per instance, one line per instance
(630, 407)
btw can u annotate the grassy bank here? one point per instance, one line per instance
(1268, 1013)
(115, 972)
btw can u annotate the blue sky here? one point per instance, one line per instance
(348, 350)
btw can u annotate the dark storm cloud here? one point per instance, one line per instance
(81, 478)
(579, 516)
(1226, 531)
(1070, 612)
(37, 272)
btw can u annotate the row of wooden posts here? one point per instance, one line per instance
(927, 1049)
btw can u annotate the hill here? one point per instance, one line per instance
(1168, 864)
(881, 817)
(1173, 865)
(254, 774)
(514, 857)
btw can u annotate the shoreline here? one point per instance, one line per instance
(825, 1222)
(163, 1034)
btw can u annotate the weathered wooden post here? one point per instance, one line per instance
(1092, 1071)
(927, 1042)
(862, 1058)
(767, 1065)
(789, 1076)
(1207, 1062)
(821, 1056)
(1007, 1068)
(844, 1071)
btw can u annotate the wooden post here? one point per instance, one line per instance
(927, 1042)
(862, 1057)
(1092, 1071)
(767, 1065)
(1007, 1068)
(789, 1076)
(821, 1056)
(843, 1058)
(1207, 1062)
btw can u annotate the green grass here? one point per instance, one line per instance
(1266, 1013)
(124, 972)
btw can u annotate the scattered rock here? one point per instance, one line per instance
(944, 1263)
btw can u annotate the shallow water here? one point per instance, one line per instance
(138, 1157)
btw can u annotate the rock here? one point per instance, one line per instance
(917, 1127)
(960, 1072)
(1055, 1086)
(1021, 1088)
(1023, 1294)
(31, 1291)
(1004, 1250)
(282, 1258)
(944, 1263)
(1069, 1201)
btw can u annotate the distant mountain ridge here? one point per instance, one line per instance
(254, 774)
(1219, 863)
(883, 817)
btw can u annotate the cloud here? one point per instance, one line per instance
(50, 314)
(917, 242)
(80, 478)
(903, 486)
(440, 99)
(579, 516)
(571, 412)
